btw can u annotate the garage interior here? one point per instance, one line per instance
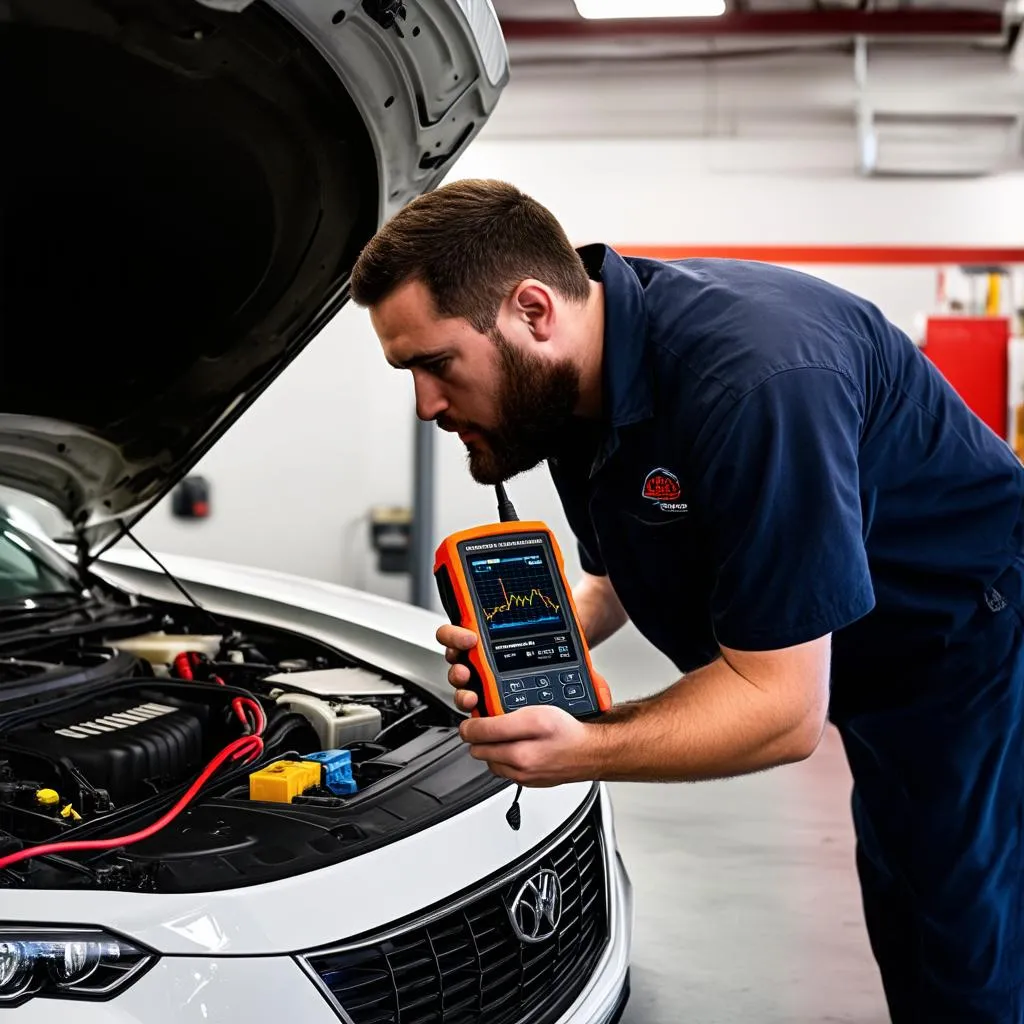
(886, 140)
(876, 143)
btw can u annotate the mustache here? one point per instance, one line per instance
(447, 423)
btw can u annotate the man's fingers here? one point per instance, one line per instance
(517, 725)
(516, 761)
(459, 675)
(456, 637)
(466, 700)
(508, 755)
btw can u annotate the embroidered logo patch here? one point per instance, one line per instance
(662, 487)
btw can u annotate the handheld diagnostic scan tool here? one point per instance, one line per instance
(506, 582)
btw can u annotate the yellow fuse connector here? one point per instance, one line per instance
(282, 781)
(47, 797)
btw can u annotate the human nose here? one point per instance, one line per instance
(430, 399)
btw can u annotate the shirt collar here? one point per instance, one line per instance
(626, 381)
(625, 373)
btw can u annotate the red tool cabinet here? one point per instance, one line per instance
(972, 353)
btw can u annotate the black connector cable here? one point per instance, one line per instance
(507, 514)
(506, 510)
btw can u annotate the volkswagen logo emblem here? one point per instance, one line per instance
(537, 908)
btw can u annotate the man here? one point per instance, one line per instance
(786, 498)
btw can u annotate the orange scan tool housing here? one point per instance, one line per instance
(456, 592)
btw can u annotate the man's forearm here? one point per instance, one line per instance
(600, 612)
(713, 723)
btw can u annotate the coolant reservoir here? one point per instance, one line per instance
(160, 649)
(336, 722)
(330, 701)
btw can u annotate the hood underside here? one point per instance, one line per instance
(184, 194)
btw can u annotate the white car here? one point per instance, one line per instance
(229, 794)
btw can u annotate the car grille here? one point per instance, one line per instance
(468, 966)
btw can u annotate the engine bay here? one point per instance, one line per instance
(107, 734)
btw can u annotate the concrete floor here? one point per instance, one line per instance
(747, 904)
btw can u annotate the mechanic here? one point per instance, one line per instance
(781, 492)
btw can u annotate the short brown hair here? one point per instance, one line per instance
(470, 242)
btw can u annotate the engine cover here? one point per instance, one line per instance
(123, 745)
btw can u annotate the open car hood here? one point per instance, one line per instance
(185, 190)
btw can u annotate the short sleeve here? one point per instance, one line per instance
(778, 489)
(590, 558)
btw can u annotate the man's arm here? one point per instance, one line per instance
(745, 712)
(600, 611)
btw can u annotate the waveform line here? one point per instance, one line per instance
(518, 601)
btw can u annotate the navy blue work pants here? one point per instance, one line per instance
(938, 800)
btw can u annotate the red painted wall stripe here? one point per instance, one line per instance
(903, 255)
(781, 22)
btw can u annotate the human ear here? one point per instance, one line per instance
(533, 303)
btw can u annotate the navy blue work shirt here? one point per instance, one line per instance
(776, 461)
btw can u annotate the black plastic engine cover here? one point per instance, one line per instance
(124, 744)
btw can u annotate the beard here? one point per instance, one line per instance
(535, 403)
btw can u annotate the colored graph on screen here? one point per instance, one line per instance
(516, 592)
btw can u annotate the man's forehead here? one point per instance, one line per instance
(409, 303)
(410, 330)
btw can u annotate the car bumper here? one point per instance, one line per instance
(272, 989)
(604, 998)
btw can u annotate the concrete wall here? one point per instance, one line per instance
(333, 436)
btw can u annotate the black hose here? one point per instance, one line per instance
(408, 716)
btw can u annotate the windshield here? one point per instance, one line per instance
(25, 571)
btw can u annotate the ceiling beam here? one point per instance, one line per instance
(907, 22)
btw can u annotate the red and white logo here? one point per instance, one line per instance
(662, 487)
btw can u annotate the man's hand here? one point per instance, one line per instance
(535, 746)
(531, 746)
(456, 641)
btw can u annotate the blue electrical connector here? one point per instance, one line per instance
(337, 774)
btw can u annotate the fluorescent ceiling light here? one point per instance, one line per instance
(650, 8)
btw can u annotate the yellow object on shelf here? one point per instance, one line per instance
(992, 297)
(282, 781)
(47, 797)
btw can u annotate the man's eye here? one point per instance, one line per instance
(438, 366)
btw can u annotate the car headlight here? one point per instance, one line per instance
(66, 964)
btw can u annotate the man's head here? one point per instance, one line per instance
(476, 289)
